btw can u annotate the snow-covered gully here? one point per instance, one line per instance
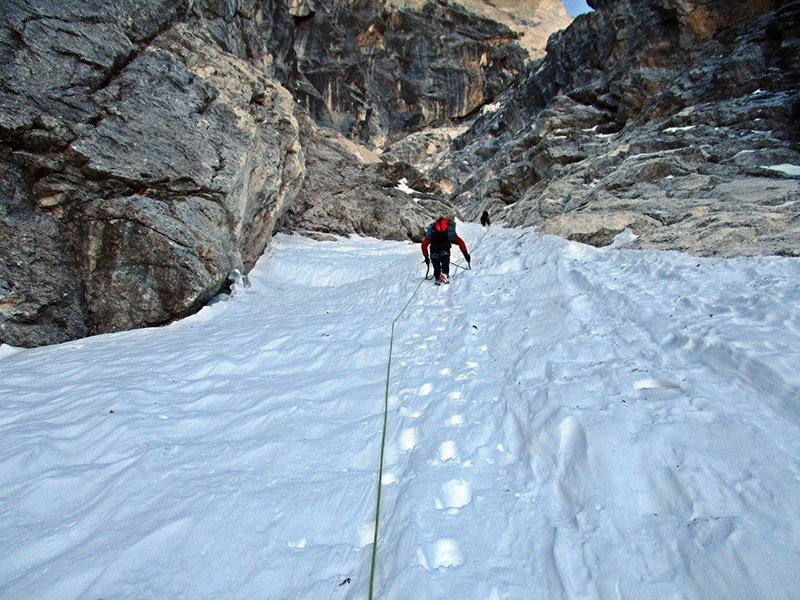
(563, 422)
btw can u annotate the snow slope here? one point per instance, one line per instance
(564, 422)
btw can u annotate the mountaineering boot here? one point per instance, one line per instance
(442, 279)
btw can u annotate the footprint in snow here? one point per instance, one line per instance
(456, 493)
(653, 384)
(366, 534)
(448, 451)
(455, 421)
(405, 411)
(408, 439)
(572, 445)
(425, 389)
(444, 553)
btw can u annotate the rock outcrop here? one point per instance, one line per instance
(143, 160)
(349, 189)
(534, 20)
(375, 72)
(671, 118)
(148, 149)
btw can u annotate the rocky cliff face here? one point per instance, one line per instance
(143, 160)
(150, 148)
(349, 189)
(668, 117)
(374, 71)
(533, 20)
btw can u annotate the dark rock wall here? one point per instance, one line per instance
(351, 190)
(149, 148)
(649, 115)
(144, 159)
(375, 72)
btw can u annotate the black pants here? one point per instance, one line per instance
(441, 263)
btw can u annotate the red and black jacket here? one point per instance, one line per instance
(439, 236)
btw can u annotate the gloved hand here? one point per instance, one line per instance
(467, 257)
(427, 262)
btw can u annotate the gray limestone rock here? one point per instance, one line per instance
(348, 189)
(640, 115)
(148, 149)
(144, 164)
(533, 20)
(375, 71)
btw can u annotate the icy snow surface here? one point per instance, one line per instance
(785, 168)
(564, 422)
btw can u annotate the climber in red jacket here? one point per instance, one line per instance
(439, 235)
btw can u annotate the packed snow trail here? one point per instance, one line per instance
(583, 357)
(564, 422)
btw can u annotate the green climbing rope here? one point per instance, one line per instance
(383, 445)
(383, 436)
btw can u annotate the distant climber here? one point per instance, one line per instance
(485, 218)
(439, 235)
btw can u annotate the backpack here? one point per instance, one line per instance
(442, 231)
